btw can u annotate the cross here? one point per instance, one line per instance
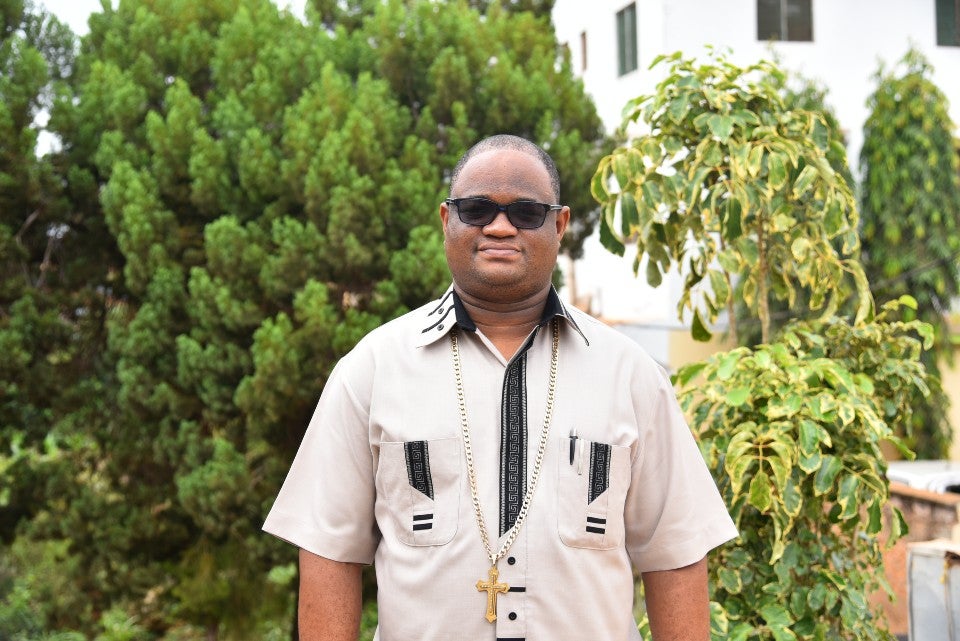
(492, 588)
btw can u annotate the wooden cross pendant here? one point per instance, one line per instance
(492, 588)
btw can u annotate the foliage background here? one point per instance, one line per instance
(910, 199)
(238, 197)
(733, 180)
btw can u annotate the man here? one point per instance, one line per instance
(502, 458)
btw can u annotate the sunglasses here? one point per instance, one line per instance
(522, 214)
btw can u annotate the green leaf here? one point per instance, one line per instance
(908, 301)
(732, 224)
(741, 632)
(755, 160)
(598, 186)
(782, 633)
(760, 496)
(730, 580)
(792, 499)
(720, 126)
(809, 437)
(698, 174)
(898, 525)
(609, 240)
(621, 170)
(803, 182)
(738, 396)
(875, 523)
(728, 364)
(846, 413)
(827, 473)
(729, 260)
(699, 329)
(710, 153)
(678, 108)
(776, 615)
(847, 496)
(688, 372)
(817, 596)
(777, 171)
(800, 248)
(719, 285)
(629, 218)
(654, 275)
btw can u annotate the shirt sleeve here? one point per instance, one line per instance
(674, 513)
(326, 504)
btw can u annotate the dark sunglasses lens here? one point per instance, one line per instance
(476, 211)
(524, 215)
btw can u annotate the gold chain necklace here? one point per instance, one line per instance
(491, 586)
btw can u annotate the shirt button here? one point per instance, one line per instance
(511, 561)
(512, 616)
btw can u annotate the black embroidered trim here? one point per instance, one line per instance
(596, 530)
(599, 470)
(513, 442)
(423, 521)
(511, 639)
(514, 588)
(591, 519)
(417, 457)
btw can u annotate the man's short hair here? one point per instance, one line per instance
(508, 141)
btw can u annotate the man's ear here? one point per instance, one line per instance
(444, 216)
(563, 219)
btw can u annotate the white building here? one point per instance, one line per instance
(837, 43)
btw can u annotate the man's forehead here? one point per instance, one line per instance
(498, 169)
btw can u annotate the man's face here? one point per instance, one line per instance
(499, 262)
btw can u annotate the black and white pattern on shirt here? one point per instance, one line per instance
(513, 442)
(599, 470)
(417, 456)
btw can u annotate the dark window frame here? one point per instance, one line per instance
(948, 23)
(583, 51)
(627, 56)
(785, 20)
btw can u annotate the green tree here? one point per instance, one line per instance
(803, 94)
(911, 216)
(732, 166)
(272, 190)
(53, 296)
(730, 181)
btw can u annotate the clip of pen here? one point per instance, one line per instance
(573, 444)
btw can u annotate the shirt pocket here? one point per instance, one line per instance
(420, 483)
(591, 493)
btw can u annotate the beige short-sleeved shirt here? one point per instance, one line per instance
(381, 477)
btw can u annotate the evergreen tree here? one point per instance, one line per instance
(911, 217)
(265, 192)
(53, 294)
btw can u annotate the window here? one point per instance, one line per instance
(627, 39)
(583, 51)
(948, 23)
(785, 20)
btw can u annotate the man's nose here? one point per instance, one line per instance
(500, 226)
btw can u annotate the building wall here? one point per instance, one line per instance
(850, 38)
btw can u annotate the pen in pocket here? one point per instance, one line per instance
(573, 444)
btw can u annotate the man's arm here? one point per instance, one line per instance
(678, 603)
(330, 599)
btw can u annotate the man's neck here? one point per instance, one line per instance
(507, 325)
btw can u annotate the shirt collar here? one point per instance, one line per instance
(439, 317)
